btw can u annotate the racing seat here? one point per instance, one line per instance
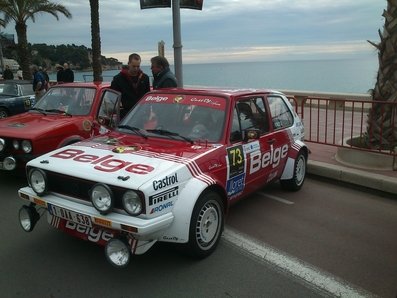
(246, 116)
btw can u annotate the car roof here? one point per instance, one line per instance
(217, 91)
(83, 84)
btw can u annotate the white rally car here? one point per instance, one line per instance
(169, 171)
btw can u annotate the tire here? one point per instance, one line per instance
(296, 182)
(3, 113)
(206, 225)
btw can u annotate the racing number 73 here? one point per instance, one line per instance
(235, 157)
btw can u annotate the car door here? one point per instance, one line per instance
(248, 157)
(108, 115)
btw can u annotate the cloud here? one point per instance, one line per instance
(224, 29)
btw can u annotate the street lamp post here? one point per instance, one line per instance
(176, 20)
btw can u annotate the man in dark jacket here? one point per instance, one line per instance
(163, 77)
(132, 83)
(68, 74)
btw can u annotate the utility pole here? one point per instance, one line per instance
(1, 54)
(176, 19)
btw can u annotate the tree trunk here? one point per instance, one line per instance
(96, 41)
(382, 118)
(23, 50)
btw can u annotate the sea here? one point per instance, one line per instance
(340, 76)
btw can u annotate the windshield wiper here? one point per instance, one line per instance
(134, 129)
(39, 110)
(58, 111)
(165, 132)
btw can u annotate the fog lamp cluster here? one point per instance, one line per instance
(103, 199)
(117, 252)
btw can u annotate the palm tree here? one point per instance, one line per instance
(382, 119)
(20, 11)
(96, 41)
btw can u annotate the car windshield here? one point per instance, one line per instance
(73, 101)
(8, 89)
(185, 118)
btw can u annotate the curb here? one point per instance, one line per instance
(353, 176)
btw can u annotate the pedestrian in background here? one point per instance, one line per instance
(68, 74)
(38, 83)
(132, 82)
(8, 75)
(59, 69)
(163, 77)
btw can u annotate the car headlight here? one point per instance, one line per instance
(26, 146)
(38, 181)
(2, 144)
(15, 144)
(132, 203)
(102, 198)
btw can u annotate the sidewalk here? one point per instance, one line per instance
(322, 162)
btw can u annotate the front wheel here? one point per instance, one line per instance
(206, 225)
(296, 182)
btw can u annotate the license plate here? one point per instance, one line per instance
(69, 215)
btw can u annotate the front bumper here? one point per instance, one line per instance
(138, 227)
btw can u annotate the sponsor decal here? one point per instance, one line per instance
(156, 98)
(178, 98)
(129, 149)
(167, 181)
(162, 207)
(235, 185)
(91, 234)
(105, 163)
(251, 147)
(270, 158)
(170, 238)
(163, 196)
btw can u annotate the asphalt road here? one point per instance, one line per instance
(334, 230)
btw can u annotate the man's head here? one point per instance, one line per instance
(65, 66)
(159, 63)
(134, 64)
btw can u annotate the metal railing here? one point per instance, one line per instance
(342, 120)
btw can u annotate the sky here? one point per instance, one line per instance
(223, 31)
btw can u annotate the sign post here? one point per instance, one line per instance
(176, 24)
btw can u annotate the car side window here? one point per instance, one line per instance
(249, 114)
(280, 113)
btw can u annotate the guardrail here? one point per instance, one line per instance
(342, 120)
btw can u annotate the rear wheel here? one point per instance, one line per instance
(206, 225)
(296, 182)
(3, 113)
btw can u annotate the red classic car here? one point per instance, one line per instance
(169, 171)
(66, 114)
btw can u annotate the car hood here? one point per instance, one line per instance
(124, 163)
(31, 125)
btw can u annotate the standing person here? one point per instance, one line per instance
(38, 83)
(19, 74)
(46, 77)
(132, 82)
(59, 69)
(163, 77)
(8, 75)
(68, 74)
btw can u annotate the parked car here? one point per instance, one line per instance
(16, 96)
(66, 114)
(169, 171)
